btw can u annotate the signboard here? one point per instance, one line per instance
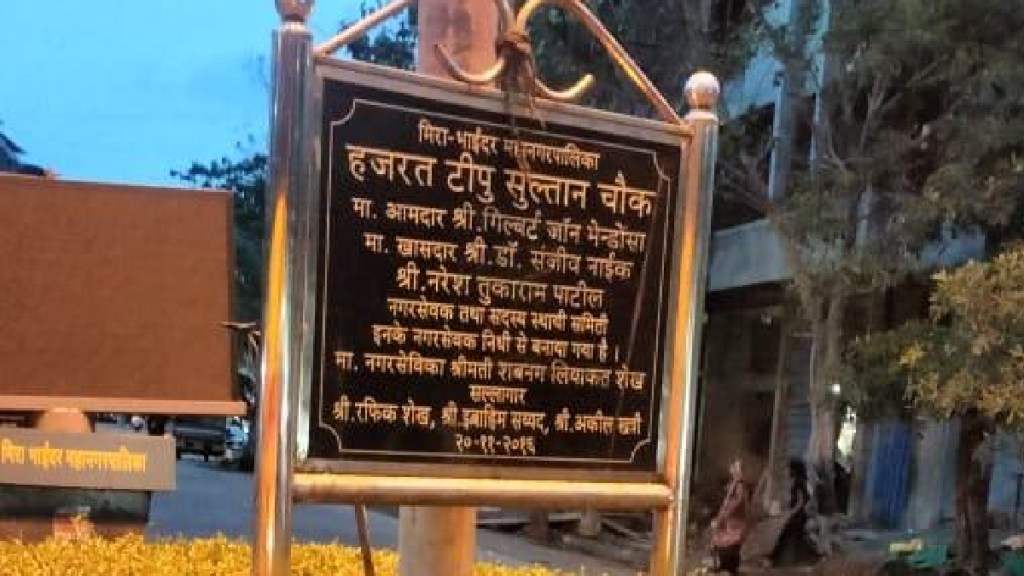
(490, 290)
(102, 461)
(112, 298)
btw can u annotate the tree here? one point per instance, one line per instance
(390, 46)
(965, 361)
(246, 178)
(896, 160)
(669, 40)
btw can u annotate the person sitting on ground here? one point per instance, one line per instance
(729, 527)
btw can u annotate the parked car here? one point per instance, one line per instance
(211, 437)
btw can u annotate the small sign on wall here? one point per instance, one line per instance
(102, 461)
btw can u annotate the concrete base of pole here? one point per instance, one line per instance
(434, 541)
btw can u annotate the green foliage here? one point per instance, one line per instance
(917, 128)
(393, 46)
(246, 179)
(874, 382)
(669, 40)
(969, 356)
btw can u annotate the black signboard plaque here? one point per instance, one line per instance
(490, 289)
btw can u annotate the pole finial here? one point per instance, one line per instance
(294, 10)
(702, 91)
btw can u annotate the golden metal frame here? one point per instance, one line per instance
(413, 490)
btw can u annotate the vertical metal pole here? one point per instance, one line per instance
(441, 541)
(702, 91)
(288, 194)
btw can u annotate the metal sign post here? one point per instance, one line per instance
(288, 200)
(690, 270)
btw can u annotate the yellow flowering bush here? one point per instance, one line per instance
(134, 556)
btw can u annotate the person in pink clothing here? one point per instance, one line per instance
(729, 527)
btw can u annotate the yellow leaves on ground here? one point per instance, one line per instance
(133, 556)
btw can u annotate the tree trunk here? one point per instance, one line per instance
(826, 356)
(973, 477)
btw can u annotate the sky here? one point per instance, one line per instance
(127, 90)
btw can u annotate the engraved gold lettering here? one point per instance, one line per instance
(472, 314)
(450, 415)
(491, 342)
(563, 374)
(596, 423)
(463, 218)
(493, 220)
(342, 409)
(467, 176)
(478, 142)
(442, 281)
(408, 277)
(404, 363)
(563, 421)
(578, 296)
(357, 162)
(550, 348)
(422, 216)
(535, 421)
(421, 309)
(563, 232)
(549, 321)
(471, 369)
(521, 372)
(369, 411)
(343, 360)
(426, 249)
(363, 207)
(373, 242)
(568, 155)
(490, 289)
(609, 269)
(446, 339)
(415, 416)
(628, 380)
(559, 261)
(475, 252)
(621, 199)
(497, 395)
(630, 426)
(383, 165)
(587, 323)
(530, 188)
(431, 134)
(505, 254)
(389, 334)
(507, 318)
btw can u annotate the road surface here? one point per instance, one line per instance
(211, 500)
